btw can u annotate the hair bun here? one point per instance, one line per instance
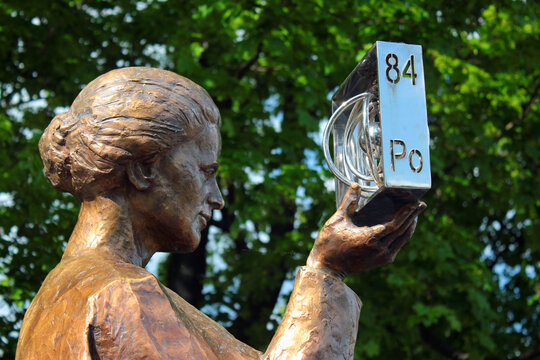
(54, 152)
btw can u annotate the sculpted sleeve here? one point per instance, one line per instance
(133, 319)
(321, 320)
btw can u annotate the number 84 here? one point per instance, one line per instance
(393, 62)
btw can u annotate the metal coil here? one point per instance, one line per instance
(361, 148)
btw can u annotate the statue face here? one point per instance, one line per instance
(183, 193)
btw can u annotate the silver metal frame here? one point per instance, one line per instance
(354, 149)
(381, 104)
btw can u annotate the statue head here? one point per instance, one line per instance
(149, 134)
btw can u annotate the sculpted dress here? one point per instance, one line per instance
(95, 306)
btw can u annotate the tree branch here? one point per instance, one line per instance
(533, 354)
(240, 73)
(534, 97)
(526, 107)
(442, 348)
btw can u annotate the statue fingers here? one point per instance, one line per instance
(366, 235)
(350, 201)
(394, 241)
(384, 235)
(401, 240)
(404, 216)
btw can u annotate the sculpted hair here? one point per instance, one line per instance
(128, 114)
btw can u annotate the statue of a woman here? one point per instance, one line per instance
(139, 147)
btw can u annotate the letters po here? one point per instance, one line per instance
(398, 150)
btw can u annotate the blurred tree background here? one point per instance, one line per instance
(466, 287)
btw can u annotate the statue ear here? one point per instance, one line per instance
(140, 174)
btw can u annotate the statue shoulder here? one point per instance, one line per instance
(72, 296)
(91, 273)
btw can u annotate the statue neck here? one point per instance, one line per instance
(105, 225)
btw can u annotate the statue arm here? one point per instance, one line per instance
(322, 316)
(320, 321)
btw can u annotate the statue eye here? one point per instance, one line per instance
(209, 170)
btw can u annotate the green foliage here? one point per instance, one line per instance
(467, 283)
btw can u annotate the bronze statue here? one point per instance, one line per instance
(139, 147)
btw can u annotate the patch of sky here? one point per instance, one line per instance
(90, 11)
(141, 5)
(254, 236)
(439, 15)
(217, 215)
(20, 47)
(6, 311)
(271, 103)
(121, 63)
(330, 184)
(530, 271)
(125, 47)
(281, 303)
(264, 238)
(19, 97)
(473, 35)
(255, 176)
(276, 117)
(249, 226)
(504, 272)
(60, 109)
(154, 262)
(331, 93)
(487, 253)
(158, 52)
(218, 243)
(318, 136)
(214, 309)
(30, 133)
(6, 199)
(275, 121)
(274, 173)
(240, 33)
(312, 161)
(22, 102)
(111, 11)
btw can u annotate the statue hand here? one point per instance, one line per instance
(343, 248)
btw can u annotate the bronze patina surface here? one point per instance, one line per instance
(139, 147)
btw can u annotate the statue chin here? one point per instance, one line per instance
(178, 242)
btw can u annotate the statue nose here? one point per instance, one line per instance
(215, 199)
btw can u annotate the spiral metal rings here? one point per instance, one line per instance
(360, 152)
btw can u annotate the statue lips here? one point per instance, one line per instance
(205, 218)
